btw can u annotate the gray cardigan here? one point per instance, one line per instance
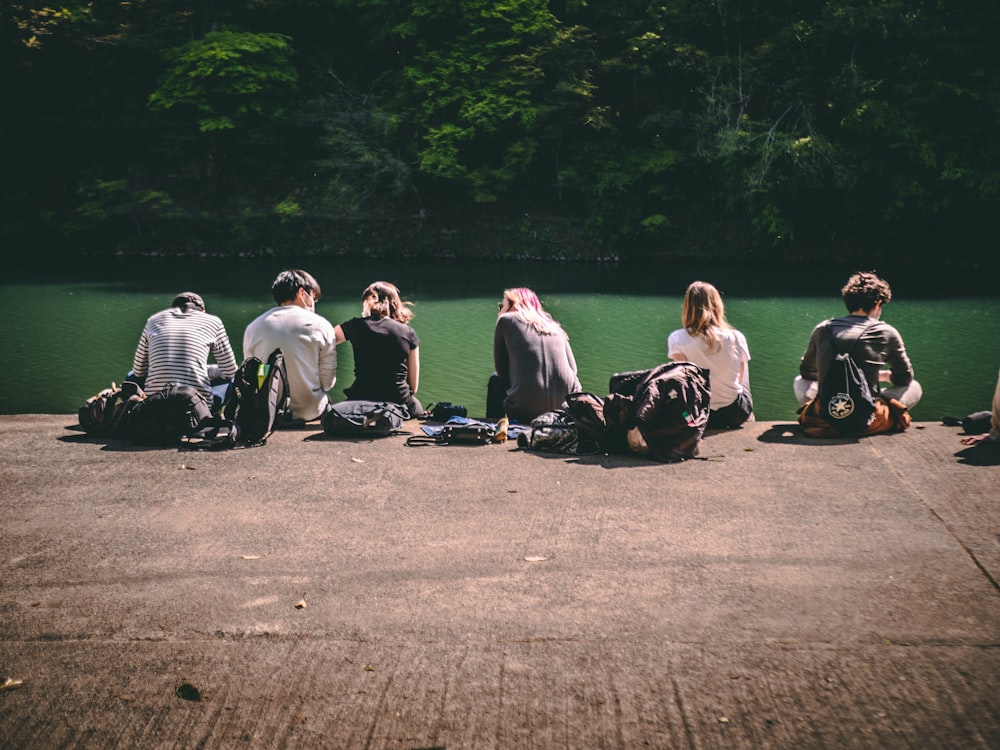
(539, 370)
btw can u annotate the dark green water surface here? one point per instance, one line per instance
(71, 332)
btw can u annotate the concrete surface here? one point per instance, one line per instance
(782, 593)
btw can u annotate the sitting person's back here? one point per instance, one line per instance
(386, 349)
(306, 341)
(708, 341)
(871, 343)
(175, 347)
(534, 364)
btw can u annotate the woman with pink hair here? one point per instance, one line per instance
(535, 367)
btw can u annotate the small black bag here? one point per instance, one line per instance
(366, 419)
(552, 432)
(468, 434)
(164, 417)
(972, 424)
(105, 413)
(459, 433)
(846, 402)
(445, 410)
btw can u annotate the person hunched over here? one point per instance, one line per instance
(875, 347)
(534, 364)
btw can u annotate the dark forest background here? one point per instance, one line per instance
(767, 129)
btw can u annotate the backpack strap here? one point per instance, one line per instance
(852, 339)
(414, 440)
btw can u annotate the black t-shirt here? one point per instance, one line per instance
(382, 349)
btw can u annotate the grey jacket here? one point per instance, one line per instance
(538, 370)
(880, 346)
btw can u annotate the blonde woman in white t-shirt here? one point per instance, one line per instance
(710, 342)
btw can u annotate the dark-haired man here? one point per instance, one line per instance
(175, 347)
(879, 345)
(306, 340)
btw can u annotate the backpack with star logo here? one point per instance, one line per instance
(845, 400)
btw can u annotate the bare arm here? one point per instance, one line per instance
(413, 369)
(975, 439)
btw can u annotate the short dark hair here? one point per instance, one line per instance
(288, 283)
(863, 290)
(188, 301)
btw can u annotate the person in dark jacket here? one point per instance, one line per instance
(534, 365)
(879, 352)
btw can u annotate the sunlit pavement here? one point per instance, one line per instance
(781, 592)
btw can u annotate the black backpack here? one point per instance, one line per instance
(105, 412)
(259, 400)
(668, 404)
(364, 419)
(845, 400)
(671, 408)
(164, 417)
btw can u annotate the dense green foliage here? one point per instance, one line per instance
(723, 128)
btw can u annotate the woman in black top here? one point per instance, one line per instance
(386, 349)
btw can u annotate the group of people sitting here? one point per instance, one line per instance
(535, 368)
(178, 343)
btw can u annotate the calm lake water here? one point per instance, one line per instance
(71, 333)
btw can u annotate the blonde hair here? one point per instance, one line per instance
(703, 313)
(382, 300)
(525, 304)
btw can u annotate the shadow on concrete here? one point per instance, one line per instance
(791, 434)
(984, 454)
(115, 445)
(322, 437)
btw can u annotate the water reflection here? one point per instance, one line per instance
(71, 336)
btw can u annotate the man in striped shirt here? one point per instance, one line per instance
(175, 346)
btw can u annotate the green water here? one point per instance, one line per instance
(71, 334)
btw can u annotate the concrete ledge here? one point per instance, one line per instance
(783, 592)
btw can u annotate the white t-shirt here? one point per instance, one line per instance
(309, 346)
(723, 364)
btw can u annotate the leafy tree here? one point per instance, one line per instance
(356, 169)
(228, 77)
(736, 126)
(473, 76)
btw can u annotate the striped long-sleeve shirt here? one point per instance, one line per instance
(175, 346)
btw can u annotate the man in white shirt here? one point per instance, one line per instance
(306, 340)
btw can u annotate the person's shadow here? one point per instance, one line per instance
(111, 444)
(792, 434)
(986, 453)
